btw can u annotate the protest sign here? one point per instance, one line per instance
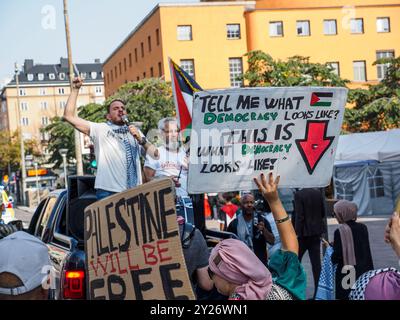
(132, 245)
(239, 133)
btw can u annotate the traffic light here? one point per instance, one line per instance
(93, 164)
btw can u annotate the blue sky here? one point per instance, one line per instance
(35, 29)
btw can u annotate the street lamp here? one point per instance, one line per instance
(37, 182)
(63, 153)
(22, 147)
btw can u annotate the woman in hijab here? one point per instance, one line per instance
(351, 250)
(382, 284)
(239, 274)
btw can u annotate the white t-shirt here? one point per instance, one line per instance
(169, 165)
(111, 158)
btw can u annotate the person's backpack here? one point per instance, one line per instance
(187, 234)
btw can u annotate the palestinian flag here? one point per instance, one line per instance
(183, 87)
(321, 99)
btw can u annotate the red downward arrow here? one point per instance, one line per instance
(315, 144)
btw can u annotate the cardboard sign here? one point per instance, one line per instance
(237, 134)
(133, 248)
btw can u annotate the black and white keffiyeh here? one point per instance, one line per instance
(358, 289)
(131, 151)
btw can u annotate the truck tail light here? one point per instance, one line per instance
(74, 284)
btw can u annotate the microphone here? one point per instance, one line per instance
(126, 120)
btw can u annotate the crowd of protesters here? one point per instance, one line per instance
(262, 259)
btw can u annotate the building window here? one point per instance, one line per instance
(45, 121)
(136, 58)
(116, 73)
(184, 33)
(108, 78)
(43, 105)
(359, 71)
(93, 75)
(383, 68)
(151, 72)
(83, 75)
(112, 76)
(330, 27)
(188, 66)
(144, 75)
(124, 64)
(40, 76)
(233, 31)
(130, 60)
(42, 91)
(30, 77)
(137, 78)
(235, 71)
(98, 89)
(22, 92)
(344, 190)
(142, 49)
(158, 37)
(120, 68)
(61, 91)
(149, 43)
(62, 104)
(61, 76)
(45, 137)
(357, 25)
(303, 28)
(276, 29)
(335, 67)
(383, 25)
(24, 106)
(159, 69)
(25, 121)
(375, 183)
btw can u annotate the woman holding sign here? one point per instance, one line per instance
(239, 274)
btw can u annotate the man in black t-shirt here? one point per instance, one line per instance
(252, 229)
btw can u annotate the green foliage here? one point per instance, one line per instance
(61, 136)
(377, 108)
(264, 71)
(10, 152)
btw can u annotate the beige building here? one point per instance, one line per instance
(209, 39)
(43, 94)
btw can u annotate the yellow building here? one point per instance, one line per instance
(43, 94)
(209, 39)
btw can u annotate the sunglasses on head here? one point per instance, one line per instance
(210, 273)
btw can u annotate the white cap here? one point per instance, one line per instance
(26, 257)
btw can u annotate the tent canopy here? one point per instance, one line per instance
(380, 146)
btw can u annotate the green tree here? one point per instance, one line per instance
(10, 152)
(264, 71)
(378, 107)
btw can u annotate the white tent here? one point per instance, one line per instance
(380, 146)
(367, 170)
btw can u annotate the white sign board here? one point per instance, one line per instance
(239, 133)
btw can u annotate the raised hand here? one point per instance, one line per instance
(269, 189)
(77, 83)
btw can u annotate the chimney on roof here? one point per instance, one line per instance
(28, 64)
(64, 63)
(97, 60)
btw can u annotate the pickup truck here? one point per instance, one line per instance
(58, 222)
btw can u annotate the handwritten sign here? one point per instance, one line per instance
(239, 133)
(133, 248)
